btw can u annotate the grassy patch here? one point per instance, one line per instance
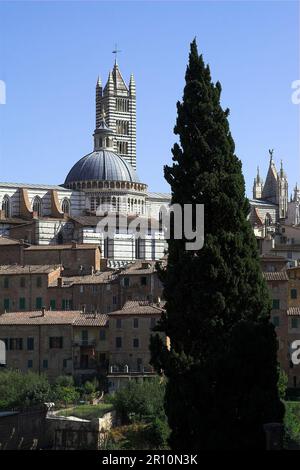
(87, 411)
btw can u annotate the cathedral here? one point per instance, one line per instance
(270, 206)
(104, 181)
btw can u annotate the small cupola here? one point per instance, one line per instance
(103, 136)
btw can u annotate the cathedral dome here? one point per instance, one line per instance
(102, 165)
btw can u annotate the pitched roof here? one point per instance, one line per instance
(27, 269)
(9, 241)
(32, 186)
(276, 276)
(78, 246)
(139, 307)
(52, 317)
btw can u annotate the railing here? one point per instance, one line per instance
(85, 342)
(125, 369)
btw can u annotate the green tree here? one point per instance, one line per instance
(282, 383)
(222, 366)
(140, 401)
(64, 390)
(18, 390)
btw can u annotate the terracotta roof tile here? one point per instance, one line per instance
(276, 276)
(139, 307)
(27, 269)
(52, 317)
(293, 311)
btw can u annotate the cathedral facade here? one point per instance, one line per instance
(104, 181)
(270, 205)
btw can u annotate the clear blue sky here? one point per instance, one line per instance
(52, 52)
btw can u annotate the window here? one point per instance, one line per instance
(6, 283)
(81, 289)
(45, 364)
(6, 206)
(22, 282)
(293, 293)
(84, 337)
(275, 321)
(52, 304)
(30, 344)
(136, 343)
(276, 304)
(66, 304)
(65, 206)
(114, 299)
(39, 281)
(118, 342)
(122, 147)
(6, 304)
(38, 302)
(135, 323)
(16, 344)
(22, 303)
(94, 289)
(294, 323)
(126, 282)
(65, 363)
(102, 334)
(122, 127)
(122, 104)
(118, 323)
(56, 342)
(143, 281)
(29, 363)
(37, 206)
(152, 323)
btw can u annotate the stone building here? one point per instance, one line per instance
(25, 287)
(34, 286)
(103, 182)
(129, 338)
(56, 343)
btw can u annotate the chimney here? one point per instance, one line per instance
(74, 244)
(158, 301)
(60, 282)
(43, 311)
(83, 309)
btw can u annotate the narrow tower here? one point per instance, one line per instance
(257, 186)
(119, 102)
(282, 193)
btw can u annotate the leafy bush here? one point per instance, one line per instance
(19, 390)
(140, 401)
(282, 384)
(64, 390)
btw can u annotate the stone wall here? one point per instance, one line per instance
(75, 434)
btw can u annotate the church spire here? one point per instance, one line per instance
(132, 85)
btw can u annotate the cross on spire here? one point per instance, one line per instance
(115, 51)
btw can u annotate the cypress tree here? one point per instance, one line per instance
(221, 366)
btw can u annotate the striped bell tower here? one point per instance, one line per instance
(119, 103)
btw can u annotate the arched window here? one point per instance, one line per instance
(6, 206)
(65, 206)
(37, 206)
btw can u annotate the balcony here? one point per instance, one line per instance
(91, 343)
(125, 370)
